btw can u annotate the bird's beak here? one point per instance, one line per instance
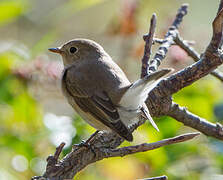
(56, 50)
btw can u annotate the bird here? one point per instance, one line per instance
(100, 92)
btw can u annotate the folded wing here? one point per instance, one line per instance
(95, 101)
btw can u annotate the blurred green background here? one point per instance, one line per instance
(35, 117)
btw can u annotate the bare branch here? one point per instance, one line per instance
(168, 40)
(147, 147)
(220, 6)
(218, 74)
(160, 41)
(210, 60)
(195, 55)
(217, 30)
(58, 151)
(190, 51)
(189, 75)
(80, 157)
(51, 163)
(148, 46)
(196, 122)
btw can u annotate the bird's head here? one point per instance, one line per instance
(78, 50)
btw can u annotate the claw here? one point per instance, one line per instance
(86, 144)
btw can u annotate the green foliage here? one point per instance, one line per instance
(10, 9)
(200, 97)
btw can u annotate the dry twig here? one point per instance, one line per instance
(148, 45)
(168, 39)
(147, 147)
(195, 55)
(187, 118)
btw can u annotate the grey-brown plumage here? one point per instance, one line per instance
(97, 88)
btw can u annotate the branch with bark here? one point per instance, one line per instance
(195, 55)
(159, 102)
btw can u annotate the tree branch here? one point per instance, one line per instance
(211, 59)
(80, 157)
(186, 47)
(187, 118)
(147, 147)
(220, 6)
(148, 45)
(217, 29)
(195, 55)
(161, 41)
(168, 39)
(218, 74)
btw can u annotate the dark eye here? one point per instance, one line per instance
(73, 50)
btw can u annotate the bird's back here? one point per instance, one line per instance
(108, 75)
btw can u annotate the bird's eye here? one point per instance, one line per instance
(73, 50)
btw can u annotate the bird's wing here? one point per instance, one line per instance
(95, 101)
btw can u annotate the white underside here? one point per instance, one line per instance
(129, 117)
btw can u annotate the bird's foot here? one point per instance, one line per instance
(86, 144)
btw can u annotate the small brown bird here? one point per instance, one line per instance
(97, 88)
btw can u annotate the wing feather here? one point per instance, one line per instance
(95, 101)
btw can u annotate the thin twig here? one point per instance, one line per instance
(147, 147)
(218, 74)
(187, 118)
(210, 60)
(59, 150)
(219, 9)
(168, 39)
(189, 50)
(195, 55)
(220, 6)
(148, 46)
(161, 41)
(51, 164)
(217, 29)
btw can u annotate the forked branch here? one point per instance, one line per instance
(168, 39)
(147, 147)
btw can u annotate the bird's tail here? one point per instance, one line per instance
(146, 114)
(137, 93)
(135, 97)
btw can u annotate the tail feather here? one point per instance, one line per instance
(147, 80)
(137, 93)
(147, 115)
